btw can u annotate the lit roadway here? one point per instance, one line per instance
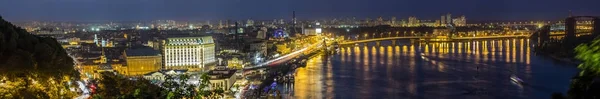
(419, 37)
(286, 57)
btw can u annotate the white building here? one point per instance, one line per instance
(262, 33)
(155, 76)
(222, 79)
(189, 53)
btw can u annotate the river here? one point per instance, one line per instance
(432, 70)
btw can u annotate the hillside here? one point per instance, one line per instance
(31, 64)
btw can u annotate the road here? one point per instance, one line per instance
(286, 57)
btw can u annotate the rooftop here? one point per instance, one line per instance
(221, 74)
(142, 51)
(189, 40)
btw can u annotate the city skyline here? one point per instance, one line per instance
(136, 10)
(299, 49)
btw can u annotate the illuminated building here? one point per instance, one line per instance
(220, 24)
(250, 22)
(235, 63)
(87, 68)
(313, 30)
(93, 63)
(379, 21)
(427, 23)
(155, 44)
(403, 23)
(155, 76)
(222, 78)
(309, 31)
(262, 33)
(413, 21)
(443, 21)
(460, 21)
(258, 51)
(189, 53)
(448, 18)
(141, 61)
(393, 21)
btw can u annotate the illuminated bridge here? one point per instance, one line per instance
(422, 37)
(287, 57)
(574, 29)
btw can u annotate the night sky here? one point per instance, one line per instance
(137, 10)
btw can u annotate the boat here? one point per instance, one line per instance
(516, 79)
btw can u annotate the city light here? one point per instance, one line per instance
(167, 50)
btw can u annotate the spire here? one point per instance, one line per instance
(103, 56)
(570, 13)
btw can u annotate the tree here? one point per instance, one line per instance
(33, 66)
(113, 86)
(585, 84)
(187, 90)
(218, 92)
(589, 54)
(203, 86)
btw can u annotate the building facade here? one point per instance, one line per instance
(235, 63)
(460, 21)
(413, 22)
(141, 61)
(221, 78)
(189, 53)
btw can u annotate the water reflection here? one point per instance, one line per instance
(467, 69)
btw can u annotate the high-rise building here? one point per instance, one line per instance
(413, 21)
(403, 23)
(443, 21)
(448, 18)
(354, 20)
(393, 21)
(208, 23)
(379, 21)
(220, 24)
(250, 22)
(294, 18)
(189, 53)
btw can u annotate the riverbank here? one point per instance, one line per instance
(569, 60)
(279, 73)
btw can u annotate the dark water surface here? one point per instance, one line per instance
(432, 70)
